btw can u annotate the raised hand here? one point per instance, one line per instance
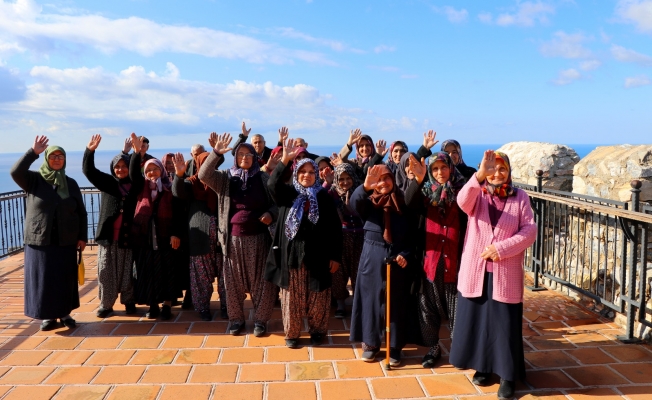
(283, 134)
(327, 175)
(273, 162)
(179, 165)
(94, 142)
(336, 160)
(290, 151)
(487, 166)
(429, 139)
(212, 139)
(222, 143)
(419, 169)
(40, 144)
(136, 142)
(126, 147)
(373, 176)
(245, 131)
(381, 147)
(354, 136)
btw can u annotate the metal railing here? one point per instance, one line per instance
(595, 247)
(12, 219)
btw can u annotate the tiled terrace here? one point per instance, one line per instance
(570, 352)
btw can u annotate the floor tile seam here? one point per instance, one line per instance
(90, 380)
(580, 362)
(620, 374)
(370, 388)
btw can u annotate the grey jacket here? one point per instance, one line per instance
(219, 182)
(43, 203)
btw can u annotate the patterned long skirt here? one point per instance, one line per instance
(298, 301)
(244, 271)
(437, 301)
(351, 250)
(115, 275)
(203, 271)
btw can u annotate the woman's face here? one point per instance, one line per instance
(440, 171)
(169, 166)
(365, 147)
(409, 173)
(385, 184)
(244, 157)
(152, 172)
(306, 175)
(345, 181)
(56, 160)
(397, 153)
(121, 170)
(451, 149)
(501, 174)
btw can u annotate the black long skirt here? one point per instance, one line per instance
(489, 335)
(155, 276)
(50, 281)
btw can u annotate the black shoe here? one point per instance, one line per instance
(429, 361)
(259, 330)
(223, 313)
(153, 312)
(506, 390)
(205, 315)
(130, 309)
(340, 313)
(48, 324)
(187, 301)
(370, 355)
(166, 313)
(235, 328)
(481, 378)
(292, 343)
(316, 338)
(104, 312)
(69, 323)
(394, 357)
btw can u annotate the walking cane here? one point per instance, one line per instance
(388, 262)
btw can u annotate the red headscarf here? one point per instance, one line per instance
(389, 202)
(200, 191)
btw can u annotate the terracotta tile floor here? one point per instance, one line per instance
(570, 354)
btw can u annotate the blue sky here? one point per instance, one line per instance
(560, 71)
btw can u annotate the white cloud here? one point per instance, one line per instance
(526, 14)
(626, 55)
(332, 44)
(637, 12)
(384, 48)
(637, 81)
(25, 22)
(453, 15)
(567, 76)
(566, 46)
(590, 65)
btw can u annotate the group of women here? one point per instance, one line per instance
(285, 223)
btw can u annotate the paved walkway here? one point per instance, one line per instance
(570, 352)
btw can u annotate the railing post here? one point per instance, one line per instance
(537, 248)
(629, 337)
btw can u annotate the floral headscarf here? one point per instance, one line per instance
(242, 173)
(459, 150)
(390, 161)
(162, 183)
(305, 194)
(55, 177)
(339, 170)
(363, 160)
(446, 194)
(506, 189)
(124, 183)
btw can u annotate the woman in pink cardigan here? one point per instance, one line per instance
(488, 330)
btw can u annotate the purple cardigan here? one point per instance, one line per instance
(514, 233)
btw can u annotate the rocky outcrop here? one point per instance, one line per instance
(608, 170)
(555, 160)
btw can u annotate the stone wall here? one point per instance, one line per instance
(608, 170)
(555, 160)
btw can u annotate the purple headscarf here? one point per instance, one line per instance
(242, 173)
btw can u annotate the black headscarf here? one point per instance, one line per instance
(402, 181)
(125, 183)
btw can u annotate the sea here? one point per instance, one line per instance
(472, 155)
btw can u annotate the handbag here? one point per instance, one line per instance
(80, 268)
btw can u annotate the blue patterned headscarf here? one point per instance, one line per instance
(293, 221)
(242, 173)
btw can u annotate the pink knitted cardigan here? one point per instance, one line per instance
(514, 233)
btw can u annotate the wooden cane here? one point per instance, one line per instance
(388, 262)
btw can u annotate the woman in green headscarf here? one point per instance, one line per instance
(55, 227)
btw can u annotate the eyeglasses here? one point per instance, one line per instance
(56, 157)
(247, 155)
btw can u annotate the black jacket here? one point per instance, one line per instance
(43, 204)
(314, 245)
(112, 204)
